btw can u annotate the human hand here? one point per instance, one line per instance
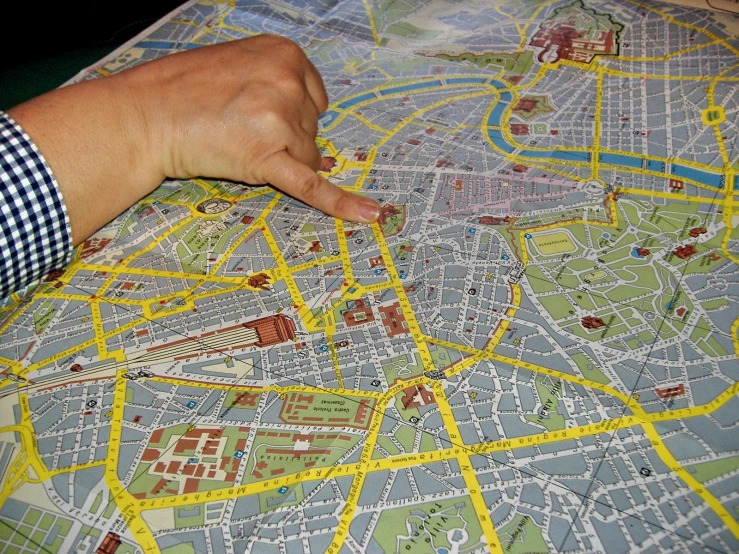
(246, 111)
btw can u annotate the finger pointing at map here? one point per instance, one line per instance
(245, 111)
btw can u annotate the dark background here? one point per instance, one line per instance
(43, 44)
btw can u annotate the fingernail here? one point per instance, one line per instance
(368, 210)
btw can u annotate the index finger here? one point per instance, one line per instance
(300, 181)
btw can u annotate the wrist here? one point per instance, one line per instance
(89, 135)
(136, 124)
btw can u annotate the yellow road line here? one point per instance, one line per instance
(468, 474)
(371, 19)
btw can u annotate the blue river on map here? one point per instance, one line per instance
(495, 134)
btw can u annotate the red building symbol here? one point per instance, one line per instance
(697, 231)
(418, 395)
(643, 251)
(272, 329)
(327, 163)
(492, 220)
(670, 392)
(110, 544)
(93, 246)
(258, 281)
(54, 275)
(377, 261)
(684, 252)
(526, 105)
(591, 322)
(387, 211)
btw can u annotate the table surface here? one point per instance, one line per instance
(65, 43)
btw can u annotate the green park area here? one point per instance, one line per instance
(404, 437)
(590, 23)
(401, 251)
(180, 548)
(326, 409)
(280, 498)
(522, 536)
(703, 338)
(617, 284)
(540, 283)
(715, 304)
(589, 370)
(96, 503)
(205, 238)
(148, 483)
(33, 531)
(43, 314)
(402, 440)
(614, 326)
(387, 12)
(192, 515)
(239, 403)
(444, 357)
(404, 366)
(706, 471)
(424, 528)
(385, 442)
(186, 192)
(407, 30)
(393, 224)
(274, 453)
(516, 63)
(549, 391)
(162, 306)
(183, 191)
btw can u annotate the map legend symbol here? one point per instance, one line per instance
(191, 404)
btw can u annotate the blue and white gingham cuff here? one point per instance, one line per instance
(35, 235)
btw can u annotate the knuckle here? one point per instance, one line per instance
(311, 187)
(291, 85)
(271, 118)
(285, 46)
(291, 48)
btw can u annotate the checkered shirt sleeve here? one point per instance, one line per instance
(35, 236)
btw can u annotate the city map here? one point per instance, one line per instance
(533, 350)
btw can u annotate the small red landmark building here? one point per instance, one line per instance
(592, 322)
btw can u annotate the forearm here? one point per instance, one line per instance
(94, 139)
(243, 111)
